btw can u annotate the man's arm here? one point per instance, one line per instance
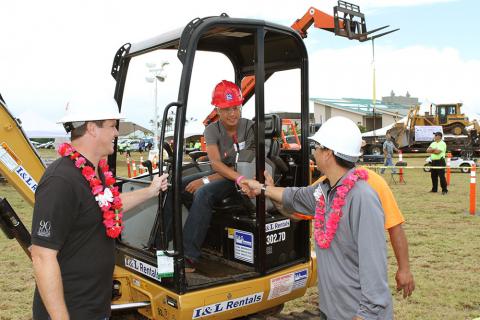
(279, 205)
(403, 277)
(134, 198)
(372, 255)
(218, 166)
(255, 188)
(221, 170)
(433, 150)
(49, 281)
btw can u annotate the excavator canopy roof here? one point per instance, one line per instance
(233, 37)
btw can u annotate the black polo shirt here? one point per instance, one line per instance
(67, 218)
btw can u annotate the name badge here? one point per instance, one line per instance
(239, 146)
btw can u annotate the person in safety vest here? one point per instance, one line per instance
(78, 215)
(348, 226)
(438, 149)
(224, 139)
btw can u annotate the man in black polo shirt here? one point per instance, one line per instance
(75, 218)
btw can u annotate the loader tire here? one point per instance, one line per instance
(376, 150)
(457, 129)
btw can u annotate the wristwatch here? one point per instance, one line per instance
(205, 180)
(263, 189)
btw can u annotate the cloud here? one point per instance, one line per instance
(52, 49)
(436, 75)
(398, 3)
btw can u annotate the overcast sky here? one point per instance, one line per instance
(51, 50)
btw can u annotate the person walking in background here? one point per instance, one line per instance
(438, 148)
(388, 149)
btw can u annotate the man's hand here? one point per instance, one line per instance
(268, 179)
(159, 183)
(194, 185)
(251, 187)
(405, 282)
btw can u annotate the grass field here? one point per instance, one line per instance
(444, 253)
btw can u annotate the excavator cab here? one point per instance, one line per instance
(253, 257)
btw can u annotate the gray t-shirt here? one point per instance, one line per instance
(389, 147)
(352, 272)
(215, 133)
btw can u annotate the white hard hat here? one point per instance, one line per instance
(91, 108)
(342, 136)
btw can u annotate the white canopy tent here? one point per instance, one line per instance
(36, 126)
(195, 128)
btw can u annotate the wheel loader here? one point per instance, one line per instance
(254, 259)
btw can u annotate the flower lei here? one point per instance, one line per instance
(324, 235)
(108, 197)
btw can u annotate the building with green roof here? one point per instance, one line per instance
(364, 112)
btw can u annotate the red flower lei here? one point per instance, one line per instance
(108, 197)
(324, 235)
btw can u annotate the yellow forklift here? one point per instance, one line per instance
(254, 259)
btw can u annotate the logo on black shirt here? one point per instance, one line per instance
(44, 230)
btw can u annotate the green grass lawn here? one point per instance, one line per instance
(444, 252)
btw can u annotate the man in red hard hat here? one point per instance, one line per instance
(224, 139)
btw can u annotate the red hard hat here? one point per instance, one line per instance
(226, 95)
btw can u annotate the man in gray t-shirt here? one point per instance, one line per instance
(224, 139)
(388, 149)
(351, 253)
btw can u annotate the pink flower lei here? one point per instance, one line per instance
(324, 235)
(108, 197)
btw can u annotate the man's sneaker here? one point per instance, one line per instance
(189, 265)
(444, 192)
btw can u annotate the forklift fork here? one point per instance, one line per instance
(352, 23)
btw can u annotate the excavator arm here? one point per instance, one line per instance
(22, 167)
(347, 21)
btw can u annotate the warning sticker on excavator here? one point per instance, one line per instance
(287, 283)
(8, 158)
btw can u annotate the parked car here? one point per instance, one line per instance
(35, 144)
(455, 163)
(47, 145)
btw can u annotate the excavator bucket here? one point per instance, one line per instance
(350, 23)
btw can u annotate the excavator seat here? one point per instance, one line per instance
(237, 204)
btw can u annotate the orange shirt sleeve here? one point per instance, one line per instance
(393, 215)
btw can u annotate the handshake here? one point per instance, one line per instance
(252, 187)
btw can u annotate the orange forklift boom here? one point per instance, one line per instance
(351, 25)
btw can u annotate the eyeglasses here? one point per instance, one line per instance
(319, 146)
(230, 110)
